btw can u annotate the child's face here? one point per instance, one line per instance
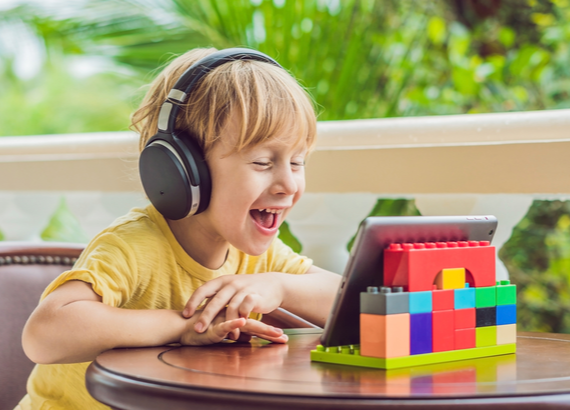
(253, 190)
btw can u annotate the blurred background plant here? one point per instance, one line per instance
(79, 67)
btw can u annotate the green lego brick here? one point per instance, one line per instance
(485, 297)
(506, 293)
(351, 357)
(485, 336)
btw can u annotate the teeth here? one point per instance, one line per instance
(272, 211)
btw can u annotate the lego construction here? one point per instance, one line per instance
(439, 303)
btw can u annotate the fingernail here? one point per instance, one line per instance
(278, 330)
(285, 337)
(185, 313)
(198, 327)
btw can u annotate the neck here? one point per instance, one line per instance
(197, 240)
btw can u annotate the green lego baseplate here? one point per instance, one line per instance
(350, 355)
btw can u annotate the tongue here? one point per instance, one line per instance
(263, 218)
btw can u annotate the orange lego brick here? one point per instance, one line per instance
(385, 336)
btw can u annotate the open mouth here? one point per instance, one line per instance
(266, 218)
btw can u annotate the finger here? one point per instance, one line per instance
(247, 305)
(233, 312)
(207, 290)
(214, 306)
(234, 334)
(259, 329)
(241, 305)
(222, 329)
(233, 306)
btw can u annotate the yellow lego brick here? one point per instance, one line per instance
(485, 336)
(451, 279)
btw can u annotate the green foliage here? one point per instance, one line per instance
(55, 102)
(360, 59)
(2, 237)
(390, 207)
(56, 99)
(64, 227)
(288, 238)
(538, 259)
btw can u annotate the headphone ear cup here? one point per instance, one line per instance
(197, 166)
(165, 180)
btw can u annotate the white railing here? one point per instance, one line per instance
(463, 164)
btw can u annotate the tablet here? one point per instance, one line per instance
(365, 264)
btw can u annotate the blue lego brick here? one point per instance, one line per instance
(384, 301)
(464, 298)
(506, 314)
(420, 333)
(420, 302)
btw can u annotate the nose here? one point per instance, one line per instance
(285, 181)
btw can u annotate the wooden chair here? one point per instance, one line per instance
(26, 268)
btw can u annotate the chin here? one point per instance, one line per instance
(256, 250)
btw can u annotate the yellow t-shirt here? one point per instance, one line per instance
(137, 263)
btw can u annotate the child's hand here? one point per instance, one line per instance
(220, 329)
(242, 294)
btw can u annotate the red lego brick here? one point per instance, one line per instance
(443, 326)
(415, 266)
(465, 318)
(464, 338)
(443, 299)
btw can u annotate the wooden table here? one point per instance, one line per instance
(271, 376)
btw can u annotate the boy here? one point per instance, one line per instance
(142, 280)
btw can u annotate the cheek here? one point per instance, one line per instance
(230, 192)
(300, 187)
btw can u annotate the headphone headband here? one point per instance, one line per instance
(188, 80)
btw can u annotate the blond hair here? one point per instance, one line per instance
(267, 99)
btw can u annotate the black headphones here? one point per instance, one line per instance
(172, 166)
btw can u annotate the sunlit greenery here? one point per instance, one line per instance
(358, 58)
(63, 226)
(538, 259)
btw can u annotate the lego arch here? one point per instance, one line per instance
(416, 266)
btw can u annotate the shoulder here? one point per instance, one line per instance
(129, 236)
(138, 226)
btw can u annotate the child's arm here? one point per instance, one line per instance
(310, 295)
(72, 325)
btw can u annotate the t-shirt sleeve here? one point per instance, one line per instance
(108, 264)
(283, 259)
